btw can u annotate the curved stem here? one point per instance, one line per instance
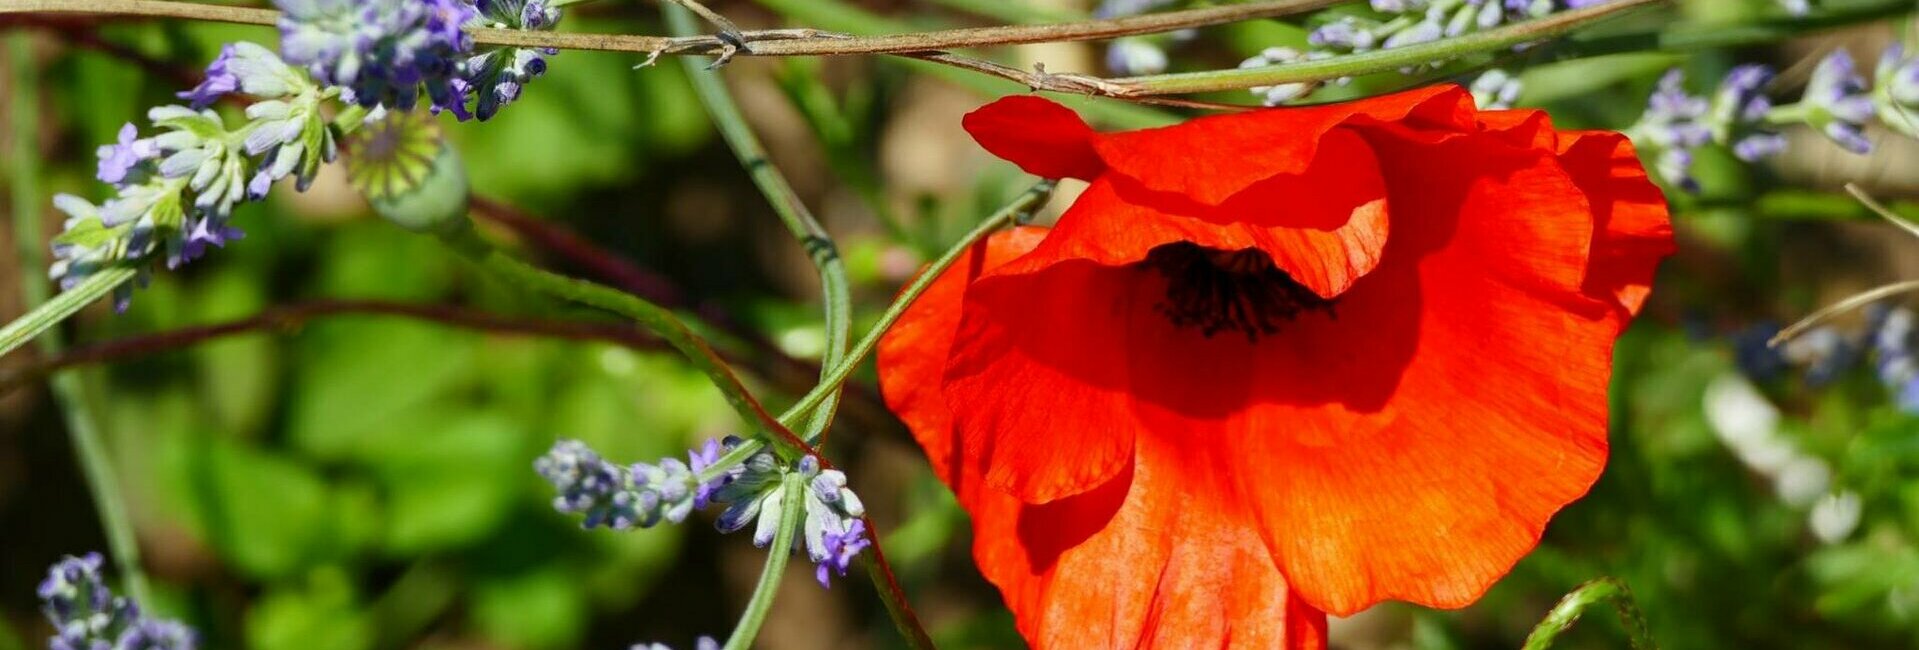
(792, 497)
(1569, 608)
(68, 391)
(653, 317)
(1026, 202)
(792, 212)
(50, 313)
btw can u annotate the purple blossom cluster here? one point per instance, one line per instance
(1401, 23)
(1837, 101)
(832, 529)
(175, 191)
(86, 615)
(391, 52)
(384, 51)
(626, 497)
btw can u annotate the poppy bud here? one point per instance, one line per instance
(408, 172)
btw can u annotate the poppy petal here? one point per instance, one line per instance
(1161, 557)
(1633, 229)
(1021, 341)
(913, 352)
(1326, 226)
(1214, 585)
(1473, 402)
(1242, 149)
(1044, 138)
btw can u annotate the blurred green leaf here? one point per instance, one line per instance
(538, 609)
(442, 473)
(321, 612)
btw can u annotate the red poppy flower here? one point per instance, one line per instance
(1277, 363)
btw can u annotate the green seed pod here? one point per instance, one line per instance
(408, 172)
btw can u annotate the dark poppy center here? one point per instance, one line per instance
(1222, 291)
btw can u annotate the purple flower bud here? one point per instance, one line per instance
(1840, 102)
(218, 83)
(842, 545)
(118, 160)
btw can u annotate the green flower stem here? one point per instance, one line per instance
(792, 211)
(654, 318)
(1026, 202)
(1498, 38)
(66, 303)
(792, 497)
(1569, 608)
(1795, 113)
(68, 390)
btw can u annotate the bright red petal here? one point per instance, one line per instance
(1325, 226)
(912, 354)
(1019, 344)
(1045, 139)
(1159, 555)
(1210, 159)
(1634, 230)
(1472, 400)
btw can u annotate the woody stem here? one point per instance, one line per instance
(932, 46)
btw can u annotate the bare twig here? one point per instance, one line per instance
(1862, 298)
(294, 316)
(932, 46)
(819, 45)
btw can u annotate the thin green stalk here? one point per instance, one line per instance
(1569, 608)
(1352, 65)
(792, 496)
(792, 211)
(1026, 202)
(654, 318)
(68, 391)
(47, 314)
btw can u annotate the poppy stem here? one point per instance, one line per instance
(792, 496)
(1012, 212)
(69, 392)
(838, 297)
(1564, 614)
(659, 320)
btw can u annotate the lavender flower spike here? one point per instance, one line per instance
(1895, 90)
(1837, 103)
(384, 50)
(86, 615)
